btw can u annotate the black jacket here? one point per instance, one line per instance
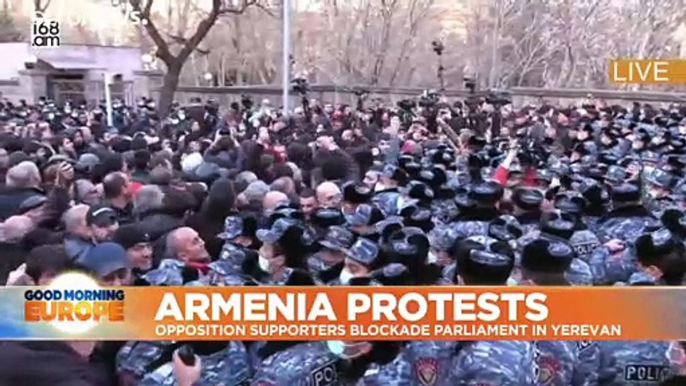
(48, 364)
(11, 199)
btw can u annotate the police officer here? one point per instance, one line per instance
(292, 363)
(363, 257)
(225, 363)
(327, 263)
(387, 194)
(545, 262)
(628, 218)
(660, 184)
(486, 261)
(355, 194)
(442, 239)
(239, 241)
(661, 259)
(527, 207)
(282, 257)
(560, 227)
(595, 207)
(583, 241)
(473, 219)
(410, 247)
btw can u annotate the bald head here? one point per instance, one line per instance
(16, 227)
(328, 195)
(186, 245)
(273, 199)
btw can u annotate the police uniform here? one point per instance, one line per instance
(663, 180)
(363, 251)
(559, 362)
(420, 363)
(474, 221)
(642, 363)
(611, 268)
(442, 240)
(170, 272)
(529, 200)
(502, 363)
(583, 241)
(336, 239)
(387, 198)
(136, 359)
(627, 221)
(232, 256)
(229, 367)
(310, 364)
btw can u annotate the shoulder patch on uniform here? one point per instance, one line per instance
(548, 369)
(582, 345)
(646, 373)
(426, 371)
(325, 375)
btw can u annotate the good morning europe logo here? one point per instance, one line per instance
(73, 303)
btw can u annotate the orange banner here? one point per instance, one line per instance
(653, 71)
(370, 313)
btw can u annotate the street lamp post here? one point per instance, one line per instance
(286, 59)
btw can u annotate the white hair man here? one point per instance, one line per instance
(23, 181)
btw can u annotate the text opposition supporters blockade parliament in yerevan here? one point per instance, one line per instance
(75, 307)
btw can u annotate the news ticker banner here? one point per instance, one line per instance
(88, 312)
(647, 71)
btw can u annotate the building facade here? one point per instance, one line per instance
(71, 72)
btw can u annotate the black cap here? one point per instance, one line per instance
(626, 193)
(101, 216)
(394, 173)
(31, 203)
(658, 243)
(570, 203)
(527, 198)
(485, 256)
(419, 190)
(357, 193)
(558, 223)
(486, 192)
(129, 236)
(505, 228)
(547, 256)
(327, 217)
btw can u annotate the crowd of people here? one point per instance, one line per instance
(477, 192)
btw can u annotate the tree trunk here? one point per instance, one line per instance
(169, 85)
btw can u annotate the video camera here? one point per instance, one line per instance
(498, 99)
(407, 104)
(300, 85)
(429, 98)
(532, 152)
